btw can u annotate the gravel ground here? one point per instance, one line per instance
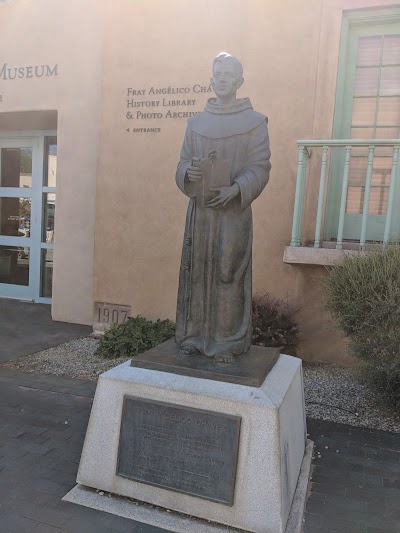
(338, 394)
(75, 359)
(331, 392)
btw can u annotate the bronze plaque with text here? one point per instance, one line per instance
(179, 448)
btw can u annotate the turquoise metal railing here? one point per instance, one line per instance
(304, 147)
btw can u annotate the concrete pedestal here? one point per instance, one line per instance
(271, 445)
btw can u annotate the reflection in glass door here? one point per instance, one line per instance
(48, 213)
(27, 204)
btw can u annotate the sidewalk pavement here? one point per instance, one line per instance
(355, 483)
(28, 328)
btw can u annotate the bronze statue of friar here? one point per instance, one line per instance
(224, 166)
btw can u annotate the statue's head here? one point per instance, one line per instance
(227, 75)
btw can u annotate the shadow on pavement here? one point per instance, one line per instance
(26, 328)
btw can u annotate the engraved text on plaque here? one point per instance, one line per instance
(179, 448)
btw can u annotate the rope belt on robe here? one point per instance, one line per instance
(188, 262)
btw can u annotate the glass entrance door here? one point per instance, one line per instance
(27, 202)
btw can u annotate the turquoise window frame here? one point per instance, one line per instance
(344, 92)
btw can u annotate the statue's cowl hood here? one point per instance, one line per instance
(219, 121)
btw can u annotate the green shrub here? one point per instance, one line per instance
(384, 378)
(274, 323)
(135, 336)
(364, 299)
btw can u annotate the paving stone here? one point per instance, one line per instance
(65, 466)
(52, 420)
(124, 525)
(10, 432)
(40, 449)
(314, 497)
(366, 480)
(45, 528)
(33, 437)
(392, 483)
(14, 523)
(23, 493)
(338, 505)
(316, 507)
(36, 330)
(12, 463)
(37, 477)
(35, 428)
(392, 528)
(12, 451)
(50, 517)
(377, 506)
(19, 505)
(360, 468)
(330, 489)
(310, 528)
(392, 501)
(38, 460)
(312, 520)
(347, 489)
(64, 478)
(60, 434)
(12, 442)
(393, 514)
(339, 525)
(79, 525)
(48, 486)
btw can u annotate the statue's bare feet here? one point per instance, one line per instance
(188, 350)
(226, 358)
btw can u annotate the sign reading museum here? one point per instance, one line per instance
(8, 72)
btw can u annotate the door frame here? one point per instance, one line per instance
(370, 17)
(36, 139)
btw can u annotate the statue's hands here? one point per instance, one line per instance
(224, 196)
(194, 172)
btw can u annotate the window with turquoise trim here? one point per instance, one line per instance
(375, 115)
(367, 108)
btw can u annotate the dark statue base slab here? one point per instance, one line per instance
(249, 369)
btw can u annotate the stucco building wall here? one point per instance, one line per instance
(140, 212)
(290, 57)
(43, 32)
(119, 216)
(139, 232)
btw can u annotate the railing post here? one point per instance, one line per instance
(389, 210)
(366, 197)
(321, 196)
(339, 242)
(299, 197)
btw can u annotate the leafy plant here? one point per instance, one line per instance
(364, 298)
(135, 336)
(384, 378)
(274, 323)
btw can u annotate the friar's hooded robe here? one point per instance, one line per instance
(214, 297)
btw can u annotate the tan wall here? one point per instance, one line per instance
(40, 32)
(140, 212)
(320, 339)
(290, 60)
